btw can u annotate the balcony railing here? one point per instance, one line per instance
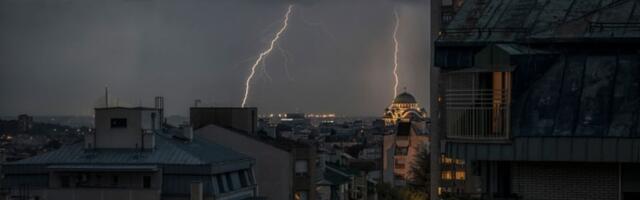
(477, 114)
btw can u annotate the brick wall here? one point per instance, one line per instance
(566, 181)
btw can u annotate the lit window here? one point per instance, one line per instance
(301, 195)
(399, 163)
(460, 175)
(446, 175)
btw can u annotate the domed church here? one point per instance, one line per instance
(404, 108)
(408, 135)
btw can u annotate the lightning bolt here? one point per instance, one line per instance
(395, 55)
(285, 54)
(265, 53)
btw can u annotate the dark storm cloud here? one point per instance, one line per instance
(57, 56)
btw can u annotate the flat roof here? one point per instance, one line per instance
(126, 108)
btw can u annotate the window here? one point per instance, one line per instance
(243, 179)
(98, 180)
(446, 175)
(64, 180)
(118, 123)
(153, 121)
(146, 181)
(399, 163)
(401, 151)
(220, 184)
(114, 181)
(229, 183)
(301, 195)
(398, 176)
(460, 175)
(478, 105)
(250, 173)
(302, 167)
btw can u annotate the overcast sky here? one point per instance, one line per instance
(56, 57)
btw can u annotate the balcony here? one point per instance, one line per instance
(480, 114)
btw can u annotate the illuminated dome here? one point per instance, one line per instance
(404, 108)
(405, 98)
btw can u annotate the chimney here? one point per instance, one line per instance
(196, 190)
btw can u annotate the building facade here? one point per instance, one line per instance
(540, 98)
(284, 169)
(127, 157)
(408, 137)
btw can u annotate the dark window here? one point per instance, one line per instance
(153, 121)
(302, 167)
(243, 179)
(402, 151)
(229, 183)
(220, 184)
(146, 181)
(64, 181)
(250, 173)
(118, 123)
(114, 181)
(98, 180)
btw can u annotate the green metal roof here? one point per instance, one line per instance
(168, 151)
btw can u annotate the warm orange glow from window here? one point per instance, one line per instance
(460, 175)
(446, 175)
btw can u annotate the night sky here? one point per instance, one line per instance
(56, 57)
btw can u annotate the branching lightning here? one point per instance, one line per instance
(285, 54)
(265, 53)
(318, 24)
(395, 55)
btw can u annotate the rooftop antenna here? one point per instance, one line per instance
(106, 96)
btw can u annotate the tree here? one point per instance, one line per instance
(421, 171)
(388, 192)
